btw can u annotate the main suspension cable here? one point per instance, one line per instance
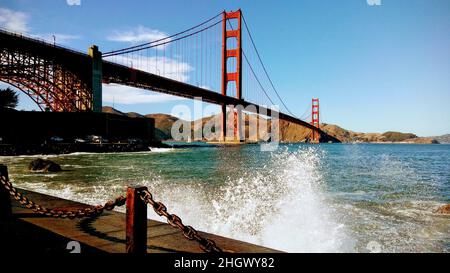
(120, 51)
(151, 45)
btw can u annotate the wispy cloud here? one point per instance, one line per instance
(73, 2)
(18, 21)
(163, 66)
(140, 34)
(15, 21)
(114, 93)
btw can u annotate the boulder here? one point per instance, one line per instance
(44, 165)
(445, 209)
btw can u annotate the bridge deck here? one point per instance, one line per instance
(105, 233)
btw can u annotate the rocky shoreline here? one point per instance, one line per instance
(68, 148)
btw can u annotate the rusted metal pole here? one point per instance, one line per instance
(136, 221)
(5, 198)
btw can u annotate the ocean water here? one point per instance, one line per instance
(299, 198)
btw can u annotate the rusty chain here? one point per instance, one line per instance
(87, 212)
(189, 232)
(173, 220)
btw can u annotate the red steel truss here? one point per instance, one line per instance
(48, 80)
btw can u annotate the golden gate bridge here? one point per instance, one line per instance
(212, 61)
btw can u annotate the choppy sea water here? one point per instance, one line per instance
(299, 198)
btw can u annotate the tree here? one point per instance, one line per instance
(8, 99)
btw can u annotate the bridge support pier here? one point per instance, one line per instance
(96, 84)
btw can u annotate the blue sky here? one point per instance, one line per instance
(374, 68)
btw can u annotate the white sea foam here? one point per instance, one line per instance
(161, 150)
(280, 206)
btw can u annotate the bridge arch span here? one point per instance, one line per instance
(47, 74)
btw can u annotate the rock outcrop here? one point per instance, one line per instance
(44, 165)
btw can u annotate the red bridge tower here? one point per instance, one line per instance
(315, 121)
(236, 74)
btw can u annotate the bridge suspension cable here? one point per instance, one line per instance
(191, 56)
(263, 66)
(143, 46)
(161, 42)
(307, 113)
(255, 99)
(254, 74)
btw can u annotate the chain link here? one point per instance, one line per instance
(87, 212)
(189, 232)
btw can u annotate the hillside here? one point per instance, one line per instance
(289, 132)
(388, 137)
(163, 125)
(110, 110)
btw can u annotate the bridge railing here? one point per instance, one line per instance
(40, 41)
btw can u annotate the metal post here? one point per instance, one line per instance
(136, 222)
(5, 198)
